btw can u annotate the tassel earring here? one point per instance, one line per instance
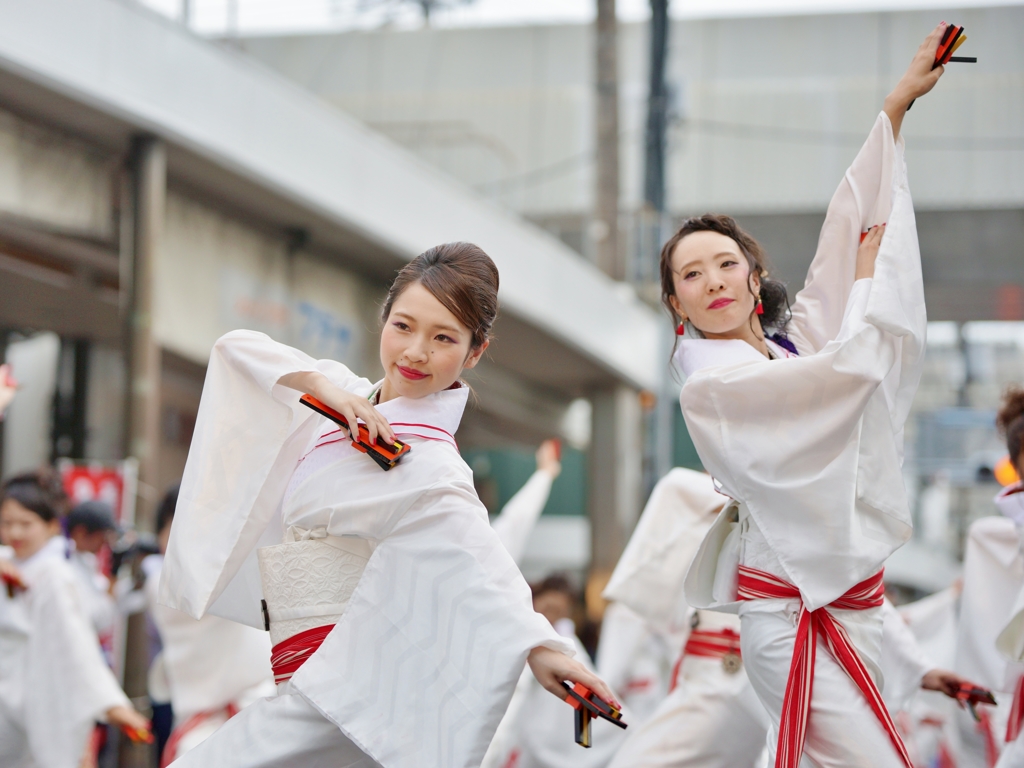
(759, 306)
(681, 329)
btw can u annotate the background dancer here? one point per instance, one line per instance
(213, 668)
(809, 447)
(400, 623)
(990, 643)
(54, 682)
(711, 716)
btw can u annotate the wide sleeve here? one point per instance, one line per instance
(650, 574)
(421, 667)
(993, 579)
(863, 199)
(68, 683)
(250, 432)
(519, 515)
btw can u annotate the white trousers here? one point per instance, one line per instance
(843, 731)
(284, 730)
(711, 720)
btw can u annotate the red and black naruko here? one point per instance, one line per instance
(952, 39)
(386, 456)
(589, 705)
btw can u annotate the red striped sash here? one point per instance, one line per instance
(708, 643)
(287, 656)
(712, 643)
(1013, 725)
(796, 706)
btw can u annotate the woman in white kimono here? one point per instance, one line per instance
(399, 623)
(54, 682)
(991, 639)
(804, 434)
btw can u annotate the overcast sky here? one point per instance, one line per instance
(275, 16)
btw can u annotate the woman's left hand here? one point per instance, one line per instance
(551, 667)
(916, 81)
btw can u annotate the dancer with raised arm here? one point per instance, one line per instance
(399, 622)
(803, 432)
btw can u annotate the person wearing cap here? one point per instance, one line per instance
(90, 526)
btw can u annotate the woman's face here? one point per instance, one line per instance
(423, 347)
(712, 283)
(23, 530)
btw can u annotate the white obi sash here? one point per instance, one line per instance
(309, 579)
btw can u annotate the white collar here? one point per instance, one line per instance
(1010, 502)
(56, 547)
(434, 417)
(693, 355)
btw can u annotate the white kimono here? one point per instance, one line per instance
(990, 644)
(213, 667)
(420, 666)
(712, 718)
(811, 448)
(54, 682)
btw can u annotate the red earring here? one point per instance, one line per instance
(681, 329)
(759, 307)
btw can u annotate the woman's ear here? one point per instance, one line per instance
(676, 306)
(476, 354)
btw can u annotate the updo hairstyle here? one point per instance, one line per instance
(773, 293)
(1010, 421)
(39, 491)
(460, 276)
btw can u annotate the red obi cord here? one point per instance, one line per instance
(1013, 725)
(170, 753)
(796, 706)
(711, 644)
(287, 656)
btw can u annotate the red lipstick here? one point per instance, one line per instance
(411, 373)
(719, 303)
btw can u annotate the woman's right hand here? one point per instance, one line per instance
(551, 667)
(11, 575)
(868, 252)
(353, 407)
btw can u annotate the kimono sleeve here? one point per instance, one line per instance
(249, 434)
(69, 685)
(517, 518)
(863, 199)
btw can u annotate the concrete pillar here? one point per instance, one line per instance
(605, 229)
(150, 188)
(142, 229)
(616, 462)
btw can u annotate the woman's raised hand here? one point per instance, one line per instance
(917, 80)
(551, 667)
(353, 407)
(868, 252)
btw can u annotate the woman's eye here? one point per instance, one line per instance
(730, 263)
(688, 275)
(401, 326)
(446, 339)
